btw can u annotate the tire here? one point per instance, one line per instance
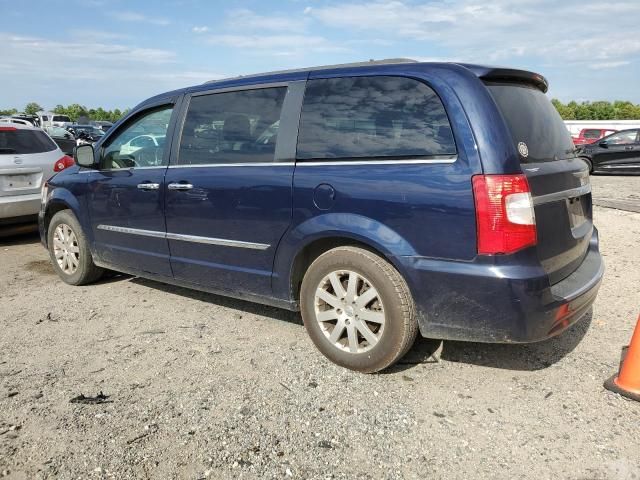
(374, 295)
(66, 240)
(589, 164)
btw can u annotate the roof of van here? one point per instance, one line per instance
(484, 72)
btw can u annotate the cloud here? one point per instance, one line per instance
(203, 29)
(281, 45)
(79, 71)
(606, 65)
(274, 34)
(501, 30)
(246, 20)
(96, 35)
(135, 17)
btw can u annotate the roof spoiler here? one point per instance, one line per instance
(515, 76)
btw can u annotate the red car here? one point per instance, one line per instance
(591, 135)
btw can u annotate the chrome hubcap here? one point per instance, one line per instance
(349, 311)
(66, 249)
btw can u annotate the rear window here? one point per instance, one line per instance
(534, 122)
(61, 118)
(592, 133)
(25, 142)
(359, 117)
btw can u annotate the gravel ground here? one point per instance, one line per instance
(200, 386)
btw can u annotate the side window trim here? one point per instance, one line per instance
(175, 104)
(184, 109)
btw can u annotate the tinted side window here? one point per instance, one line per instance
(123, 151)
(232, 127)
(372, 117)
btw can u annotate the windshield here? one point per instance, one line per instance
(13, 141)
(61, 118)
(534, 122)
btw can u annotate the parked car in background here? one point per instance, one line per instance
(380, 199)
(591, 135)
(50, 119)
(142, 141)
(15, 120)
(63, 138)
(102, 125)
(85, 133)
(28, 158)
(23, 119)
(616, 153)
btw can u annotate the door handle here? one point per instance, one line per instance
(628, 147)
(149, 186)
(179, 186)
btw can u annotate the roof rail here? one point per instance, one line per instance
(386, 61)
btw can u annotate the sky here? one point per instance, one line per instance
(116, 53)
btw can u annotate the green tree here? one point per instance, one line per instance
(8, 112)
(32, 108)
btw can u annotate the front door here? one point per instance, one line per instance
(228, 199)
(126, 196)
(619, 152)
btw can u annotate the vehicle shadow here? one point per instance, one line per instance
(19, 235)
(523, 357)
(227, 302)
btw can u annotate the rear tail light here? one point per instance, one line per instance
(504, 213)
(64, 162)
(8, 129)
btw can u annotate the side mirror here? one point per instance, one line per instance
(84, 156)
(604, 144)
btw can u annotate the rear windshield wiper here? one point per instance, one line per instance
(8, 150)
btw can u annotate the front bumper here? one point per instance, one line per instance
(16, 206)
(500, 300)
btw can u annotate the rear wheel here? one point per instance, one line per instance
(589, 164)
(69, 250)
(357, 309)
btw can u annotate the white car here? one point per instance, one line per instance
(28, 158)
(141, 141)
(15, 120)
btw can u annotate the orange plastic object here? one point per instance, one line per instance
(627, 381)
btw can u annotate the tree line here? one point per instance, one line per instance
(599, 110)
(73, 111)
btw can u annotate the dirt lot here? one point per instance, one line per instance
(202, 386)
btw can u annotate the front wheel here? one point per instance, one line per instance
(357, 309)
(69, 250)
(589, 164)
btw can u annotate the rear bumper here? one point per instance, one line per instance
(490, 300)
(19, 206)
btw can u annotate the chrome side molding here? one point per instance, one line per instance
(185, 238)
(555, 196)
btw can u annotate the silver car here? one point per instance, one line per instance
(28, 158)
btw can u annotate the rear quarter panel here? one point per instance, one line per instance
(399, 209)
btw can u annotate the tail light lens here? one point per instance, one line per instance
(64, 162)
(504, 214)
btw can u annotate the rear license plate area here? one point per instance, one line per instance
(17, 182)
(575, 207)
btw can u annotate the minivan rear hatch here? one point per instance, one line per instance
(559, 180)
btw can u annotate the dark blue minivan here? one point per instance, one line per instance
(379, 199)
